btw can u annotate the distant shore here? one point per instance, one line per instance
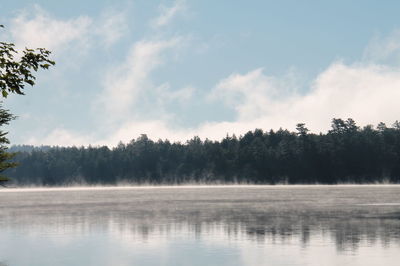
(185, 186)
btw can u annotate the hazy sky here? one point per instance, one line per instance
(175, 69)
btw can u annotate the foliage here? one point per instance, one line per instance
(16, 71)
(5, 118)
(347, 153)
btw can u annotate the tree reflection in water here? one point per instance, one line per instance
(266, 215)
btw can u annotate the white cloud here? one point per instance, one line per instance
(112, 27)
(252, 94)
(60, 137)
(384, 50)
(162, 129)
(166, 95)
(125, 82)
(366, 93)
(36, 28)
(42, 30)
(168, 13)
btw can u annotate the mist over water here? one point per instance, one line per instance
(204, 225)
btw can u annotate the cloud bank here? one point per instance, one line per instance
(367, 93)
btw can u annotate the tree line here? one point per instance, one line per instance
(346, 153)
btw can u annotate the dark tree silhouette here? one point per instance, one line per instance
(347, 153)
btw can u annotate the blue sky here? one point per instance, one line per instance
(175, 69)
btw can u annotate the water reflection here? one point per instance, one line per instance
(301, 220)
(346, 235)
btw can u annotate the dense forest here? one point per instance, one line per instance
(346, 153)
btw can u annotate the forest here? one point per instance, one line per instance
(346, 153)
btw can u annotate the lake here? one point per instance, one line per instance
(201, 225)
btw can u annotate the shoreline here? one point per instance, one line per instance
(184, 186)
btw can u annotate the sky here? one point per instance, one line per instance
(183, 68)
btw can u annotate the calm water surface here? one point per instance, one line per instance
(232, 225)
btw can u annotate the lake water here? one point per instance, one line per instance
(221, 225)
